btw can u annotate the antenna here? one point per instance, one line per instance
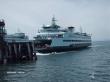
(53, 20)
(38, 30)
(81, 31)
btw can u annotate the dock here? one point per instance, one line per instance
(15, 51)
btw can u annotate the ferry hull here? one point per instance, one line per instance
(60, 49)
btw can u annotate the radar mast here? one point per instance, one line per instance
(53, 21)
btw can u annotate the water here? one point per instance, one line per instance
(88, 65)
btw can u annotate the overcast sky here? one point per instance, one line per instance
(29, 15)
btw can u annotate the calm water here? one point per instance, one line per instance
(88, 65)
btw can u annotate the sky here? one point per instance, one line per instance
(29, 15)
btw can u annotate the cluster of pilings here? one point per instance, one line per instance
(20, 51)
(15, 51)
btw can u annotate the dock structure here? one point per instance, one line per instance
(15, 51)
(2, 42)
(20, 51)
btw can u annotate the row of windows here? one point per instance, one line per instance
(76, 40)
(79, 36)
(52, 36)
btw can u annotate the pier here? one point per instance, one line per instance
(14, 51)
(20, 51)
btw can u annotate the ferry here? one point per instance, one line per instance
(53, 38)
